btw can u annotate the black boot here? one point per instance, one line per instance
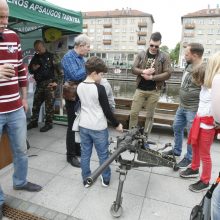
(32, 124)
(73, 161)
(46, 127)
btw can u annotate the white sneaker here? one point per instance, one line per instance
(104, 183)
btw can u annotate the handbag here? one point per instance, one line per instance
(203, 210)
(69, 90)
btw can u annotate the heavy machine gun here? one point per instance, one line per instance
(133, 141)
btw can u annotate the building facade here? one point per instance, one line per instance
(118, 35)
(202, 27)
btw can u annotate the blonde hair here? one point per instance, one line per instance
(198, 74)
(213, 68)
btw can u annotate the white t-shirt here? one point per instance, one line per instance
(205, 106)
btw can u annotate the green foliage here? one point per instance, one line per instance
(174, 54)
(164, 48)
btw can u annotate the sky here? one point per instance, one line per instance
(166, 13)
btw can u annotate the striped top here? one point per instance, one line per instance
(10, 53)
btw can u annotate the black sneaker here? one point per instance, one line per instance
(199, 186)
(189, 173)
(104, 182)
(170, 153)
(32, 124)
(46, 127)
(30, 187)
(184, 163)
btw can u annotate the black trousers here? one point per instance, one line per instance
(72, 148)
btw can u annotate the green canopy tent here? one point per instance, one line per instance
(45, 15)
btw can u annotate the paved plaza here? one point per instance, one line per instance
(149, 193)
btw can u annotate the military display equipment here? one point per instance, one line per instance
(133, 141)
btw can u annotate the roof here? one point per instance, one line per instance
(116, 14)
(203, 13)
(46, 14)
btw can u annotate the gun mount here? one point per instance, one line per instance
(133, 141)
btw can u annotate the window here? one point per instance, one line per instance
(123, 38)
(124, 21)
(99, 21)
(131, 38)
(107, 30)
(92, 30)
(107, 37)
(211, 31)
(141, 47)
(117, 30)
(200, 32)
(207, 51)
(132, 21)
(132, 30)
(217, 42)
(98, 55)
(107, 47)
(209, 42)
(117, 21)
(130, 57)
(123, 30)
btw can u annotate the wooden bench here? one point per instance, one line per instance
(164, 112)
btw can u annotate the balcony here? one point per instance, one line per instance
(142, 24)
(188, 34)
(107, 42)
(107, 25)
(142, 33)
(141, 42)
(107, 33)
(189, 26)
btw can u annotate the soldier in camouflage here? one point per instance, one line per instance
(42, 67)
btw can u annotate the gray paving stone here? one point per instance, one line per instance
(50, 214)
(41, 211)
(24, 206)
(15, 203)
(32, 208)
(61, 216)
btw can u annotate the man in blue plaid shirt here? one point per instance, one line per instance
(73, 65)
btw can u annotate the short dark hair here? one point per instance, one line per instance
(196, 48)
(95, 64)
(36, 42)
(156, 36)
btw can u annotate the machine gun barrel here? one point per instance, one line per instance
(121, 148)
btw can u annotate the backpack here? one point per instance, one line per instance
(203, 210)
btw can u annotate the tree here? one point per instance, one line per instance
(174, 54)
(164, 48)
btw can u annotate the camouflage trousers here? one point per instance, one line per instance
(43, 94)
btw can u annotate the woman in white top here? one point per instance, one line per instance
(203, 128)
(215, 206)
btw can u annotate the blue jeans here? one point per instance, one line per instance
(100, 140)
(215, 207)
(15, 125)
(183, 119)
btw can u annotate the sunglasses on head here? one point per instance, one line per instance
(155, 46)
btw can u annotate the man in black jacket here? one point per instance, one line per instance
(42, 67)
